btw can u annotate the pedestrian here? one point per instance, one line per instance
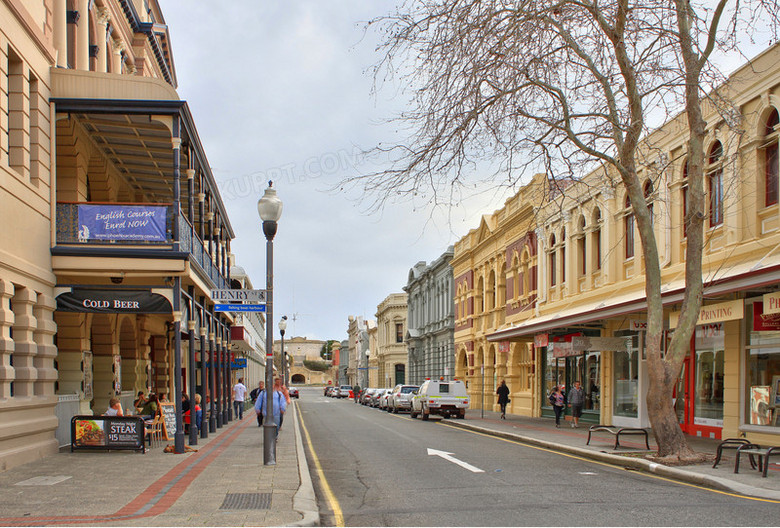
(260, 389)
(558, 402)
(185, 402)
(356, 393)
(239, 393)
(279, 405)
(278, 387)
(503, 398)
(576, 401)
(256, 391)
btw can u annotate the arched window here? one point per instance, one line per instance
(596, 239)
(563, 255)
(715, 183)
(581, 247)
(648, 194)
(629, 227)
(771, 160)
(517, 289)
(553, 271)
(526, 273)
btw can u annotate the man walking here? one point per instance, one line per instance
(239, 393)
(576, 401)
(279, 405)
(255, 395)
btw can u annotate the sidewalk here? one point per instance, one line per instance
(542, 432)
(224, 484)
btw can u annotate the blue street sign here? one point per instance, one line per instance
(233, 307)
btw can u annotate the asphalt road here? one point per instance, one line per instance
(381, 472)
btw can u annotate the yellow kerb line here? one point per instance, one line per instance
(639, 472)
(332, 501)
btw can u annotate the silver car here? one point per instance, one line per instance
(401, 398)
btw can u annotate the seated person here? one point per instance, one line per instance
(150, 408)
(114, 407)
(198, 413)
(140, 401)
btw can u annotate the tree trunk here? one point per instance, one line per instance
(660, 408)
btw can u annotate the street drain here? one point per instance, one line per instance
(246, 501)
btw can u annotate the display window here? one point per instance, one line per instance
(708, 393)
(625, 366)
(762, 399)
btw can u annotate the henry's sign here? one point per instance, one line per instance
(234, 296)
(115, 222)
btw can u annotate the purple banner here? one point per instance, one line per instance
(122, 222)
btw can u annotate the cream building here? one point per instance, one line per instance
(391, 355)
(123, 231)
(572, 307)
(299, 349)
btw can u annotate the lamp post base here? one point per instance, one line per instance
(269, 444)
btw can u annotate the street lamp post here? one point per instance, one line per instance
(282, 357)
(368, 353)
(269, 207)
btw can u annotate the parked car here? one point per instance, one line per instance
(294, 392)
(374, 402)
(384, 399)
(445, 398)
(345, 391)
(365, 397)
(401, 398)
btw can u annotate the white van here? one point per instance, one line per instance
(443, 397)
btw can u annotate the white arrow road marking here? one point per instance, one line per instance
(448, 456)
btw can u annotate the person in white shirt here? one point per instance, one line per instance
(114, 408)
(239, 393)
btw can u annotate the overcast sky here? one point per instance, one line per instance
(278, 90)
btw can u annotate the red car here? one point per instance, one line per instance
(294, 392)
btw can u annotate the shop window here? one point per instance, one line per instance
(763, 368)
(626, 379)
(771, 160)
(715, 183)
(708, 397)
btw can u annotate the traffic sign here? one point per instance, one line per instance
(238, 295)
(233, 307)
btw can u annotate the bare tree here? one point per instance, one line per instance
(562, 87)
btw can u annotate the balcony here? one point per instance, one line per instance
(139, 230)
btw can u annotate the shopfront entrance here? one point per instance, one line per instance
(563, 366)
(698, 396)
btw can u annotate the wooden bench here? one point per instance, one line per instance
(617, 431)
(762, 453)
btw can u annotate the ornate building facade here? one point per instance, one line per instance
(391, 349)
(124, 231)
(431, 320)
(574, 306)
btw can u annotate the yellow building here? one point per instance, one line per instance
(589, 313)
(391, 356)
(495, 269)
(115, 227)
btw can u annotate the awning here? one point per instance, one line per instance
(736, 278)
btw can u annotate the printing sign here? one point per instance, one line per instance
(116, 222)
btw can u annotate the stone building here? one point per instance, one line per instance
(122, 248)
(391, 353)
(431, 320)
